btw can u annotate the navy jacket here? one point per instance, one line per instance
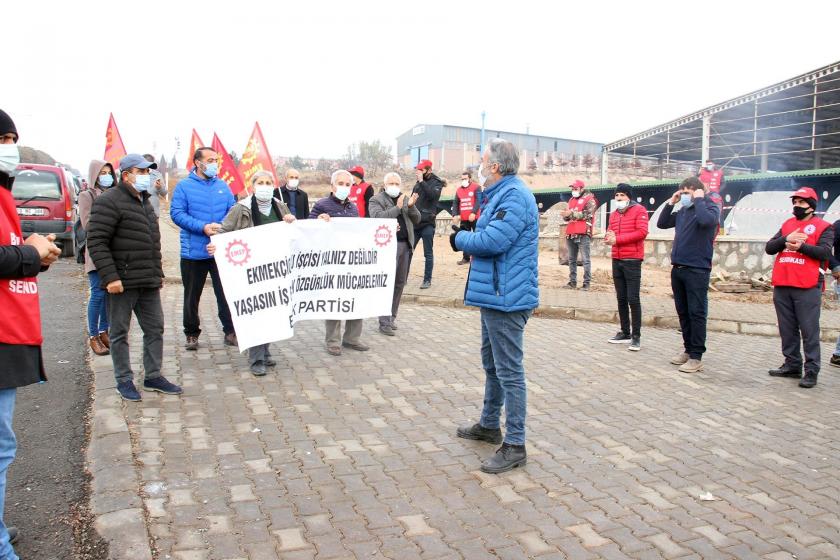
(694, 239)
(334, 207)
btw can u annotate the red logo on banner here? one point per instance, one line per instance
(382, 236)
(237, 253)
(227, 170)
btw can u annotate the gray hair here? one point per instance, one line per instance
(335, 175)
(391, 174)
(259, 174)
(504, 153)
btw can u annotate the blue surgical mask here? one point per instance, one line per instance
(686, 200)
(106, 181)
(341, 193)
(211, 169)
(142, 183)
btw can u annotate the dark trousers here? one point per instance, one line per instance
(627, 277)
(400, 277)
(145, 304)
(691, 298)
(466, 226)
(426, 232)
(798, 311)
(194, 275)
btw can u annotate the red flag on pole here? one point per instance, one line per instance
(256, 157)
(114, 147)
(227, 170)
(195, 143)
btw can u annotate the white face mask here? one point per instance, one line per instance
(9, 158)
(710, 167)
(263, 192)
(465, 183)
(392, 190)
(481, 177)
(575, 194)
(621, 204)
(292, 185)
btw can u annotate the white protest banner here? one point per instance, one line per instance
(278, 274)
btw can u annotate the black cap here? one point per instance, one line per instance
(7, 125)
(624, 188)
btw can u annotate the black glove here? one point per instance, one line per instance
(452, 241)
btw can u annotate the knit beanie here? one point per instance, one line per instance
(7, 125)
(625, 189)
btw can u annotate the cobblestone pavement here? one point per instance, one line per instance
(355, 456)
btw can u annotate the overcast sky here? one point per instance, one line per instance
(320, 75)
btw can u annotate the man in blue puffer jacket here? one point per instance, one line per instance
(502, 283)
(199, 204)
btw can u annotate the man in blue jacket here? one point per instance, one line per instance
(199, 204)
(696, 224)
(502, 283)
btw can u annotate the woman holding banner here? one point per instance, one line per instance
(258, 208)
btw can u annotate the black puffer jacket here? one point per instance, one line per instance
(429, 190)
(124, 239)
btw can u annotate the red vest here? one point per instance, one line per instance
(792, 268)
(357, 197)
(712, 179)
(577, 227)
(20, 312)
(466, 199)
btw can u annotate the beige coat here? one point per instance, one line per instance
(239, 216)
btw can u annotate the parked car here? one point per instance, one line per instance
(45, 196)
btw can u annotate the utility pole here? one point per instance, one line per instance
(481, 147)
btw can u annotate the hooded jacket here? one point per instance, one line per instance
(86, 198)
(196, 203)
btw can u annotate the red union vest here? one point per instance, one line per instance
(792, 268)
(19, 309)
(580, 227)
(357, 197)
(712, 179)
(466, 199)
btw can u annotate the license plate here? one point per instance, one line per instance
(31, 211)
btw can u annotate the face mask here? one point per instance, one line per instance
(211, 169)
(142, 182)
(481, 177)
(263, 193)
(341, 192)
(622, 204)
(292, 185)
(9, 158)
(710, 167)
(686, 200)
(465, 183)
(105, 181)
(392, 190)
(576, 194)
(800, 213)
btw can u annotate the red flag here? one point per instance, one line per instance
(195, 143)
(227, 170)
(256, 157)
(114, 147)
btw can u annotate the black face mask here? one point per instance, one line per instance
(799, 213)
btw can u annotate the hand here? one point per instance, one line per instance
(609, 237)
(412, 199)
(699, 193)
(452, 241)
(836, 274)
(401, 201)
(289, 218)
(675, 197)
(796, 236)
(212, 229)
(471, 217)
(325, 217)
(456, 221)
(398, 226)
(47, 250)
(211, 249)
(793, 245)
(115, 287)
(566, 213)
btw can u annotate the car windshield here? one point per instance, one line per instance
(31, 183)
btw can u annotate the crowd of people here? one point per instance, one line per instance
(496, 228)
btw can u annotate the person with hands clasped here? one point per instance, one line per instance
(691, 265)
(802, 246)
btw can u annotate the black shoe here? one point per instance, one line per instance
(620, 338)
(480, 433)
(192, 343)
(585, 287)
(387, 330)
(13, 534)
(808, 380)
(258, 368)
(635, 344)
(426, 285)
(231, 340)
(507, 457)
(570, 286)
(786, 371)
(269, 362)
(835, 360)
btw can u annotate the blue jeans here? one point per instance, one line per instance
(97, 306)
(8, 446)
(426, 232)
(501, 356)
